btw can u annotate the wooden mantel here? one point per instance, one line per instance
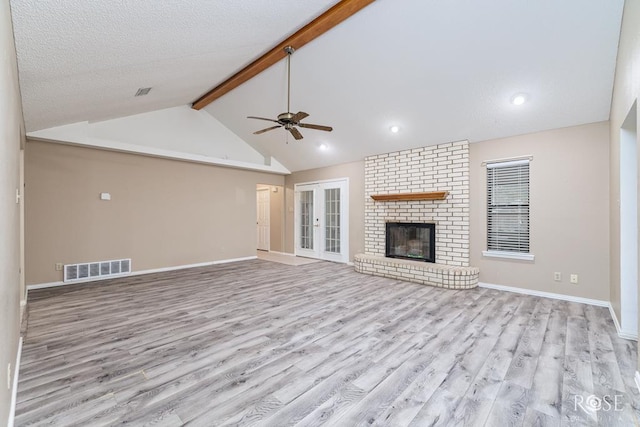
(429, 195)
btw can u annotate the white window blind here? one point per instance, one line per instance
(508, 206)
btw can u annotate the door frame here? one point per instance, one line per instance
(629, 223)
(297, 250)
(268, 192)
(23, 287)
(344, 217)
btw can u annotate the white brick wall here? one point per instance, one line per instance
(443, 167)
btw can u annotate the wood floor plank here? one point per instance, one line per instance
(320, 393)
(626, 358)
(333, 407)
(546, 390)
(263, 343)
(485, 387)
(525, 360)
(577, 390)
(510, 406)
(534, 418)
(479, 336)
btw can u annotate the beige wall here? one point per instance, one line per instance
(355, 172)
(569, 214)
(10, 139)
(276, 217)
(626, 90)
(163, 212)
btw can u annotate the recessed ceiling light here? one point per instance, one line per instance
(519, 99)
(323, 147)
(394, 129)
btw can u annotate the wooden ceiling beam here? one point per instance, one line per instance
(313, 29)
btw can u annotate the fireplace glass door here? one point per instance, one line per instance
(321, 220)
(414, 241)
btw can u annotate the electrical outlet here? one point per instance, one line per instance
(9, 376)
(557, 276)
(574, 278)
(58, 266)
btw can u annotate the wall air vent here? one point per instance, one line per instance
(143, 91)
(97, 270)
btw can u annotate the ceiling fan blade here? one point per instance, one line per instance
(295, 132)
(258, 132)
(299, 116)
(262, 118)
(316, 127)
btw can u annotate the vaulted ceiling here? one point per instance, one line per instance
(439, 70)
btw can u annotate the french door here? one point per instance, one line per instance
(322, 220)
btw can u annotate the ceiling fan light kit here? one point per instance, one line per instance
(289, 120)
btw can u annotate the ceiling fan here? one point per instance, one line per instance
(289, 120)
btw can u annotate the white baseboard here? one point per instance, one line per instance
(14, 388)
(570, 298)
(627, 335)
(201, 264)
(638, 380)
(600, 303)
(138, 273)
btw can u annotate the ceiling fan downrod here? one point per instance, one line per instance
(289, 50)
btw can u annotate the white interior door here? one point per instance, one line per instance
(322, 220)
(263, 219)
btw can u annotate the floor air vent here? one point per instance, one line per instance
(96, 270)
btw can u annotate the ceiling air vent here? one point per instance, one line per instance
(96, 270)
(143, 91)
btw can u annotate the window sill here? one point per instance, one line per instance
(509, 255)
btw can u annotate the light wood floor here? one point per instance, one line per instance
(284, 259)
(261, 343)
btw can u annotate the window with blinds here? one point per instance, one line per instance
(508, 206)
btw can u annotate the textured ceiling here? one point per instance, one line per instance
(85, 59)
(441, 70)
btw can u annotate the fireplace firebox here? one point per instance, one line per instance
(415, 241)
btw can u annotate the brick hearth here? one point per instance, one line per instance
(426, 273)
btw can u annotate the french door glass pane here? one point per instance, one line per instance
(332, 220)
(306, 219)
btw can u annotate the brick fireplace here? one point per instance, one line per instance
(440, 168)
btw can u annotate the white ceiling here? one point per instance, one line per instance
(441, 70)
(85, 59)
